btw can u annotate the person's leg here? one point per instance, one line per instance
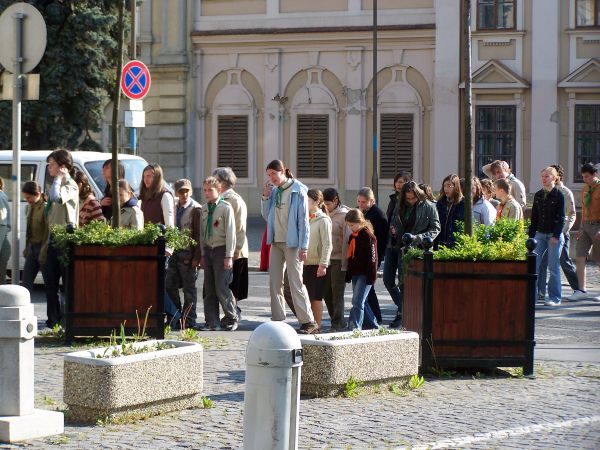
(317, 309)
(391, 267)
(540, 249)
(4, 257)
(370, 321)
(189, 276)
(53, 272)
(542, 276)
(580, 267)
(31, 267)
(211, 302)
(297, 288)
(335, 285)
(226, 299)
(287, 294)
(173, 281)
(360, 291)
(373, 303)
(276, 268)
(567, 266)
(554, 284)
(582, 250)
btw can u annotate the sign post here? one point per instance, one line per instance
(135, 84)
(24, 26)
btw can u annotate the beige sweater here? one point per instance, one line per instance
(319, 241)
(223, 228)
(240, 212)
(132, 217)
(340, 234)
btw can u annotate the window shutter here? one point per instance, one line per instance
(396, 152)
(312, 146)
(232, 144)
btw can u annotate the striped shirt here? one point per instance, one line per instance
(90, 210)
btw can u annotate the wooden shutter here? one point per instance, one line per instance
(396, 151)
(232, 144)
(312, 146)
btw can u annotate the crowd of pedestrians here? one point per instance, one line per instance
(316, 243)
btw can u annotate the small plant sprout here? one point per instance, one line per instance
(415, 382)
(207, 403)
(352, 387)
(189, 334)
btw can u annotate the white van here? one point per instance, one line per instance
(33, 168)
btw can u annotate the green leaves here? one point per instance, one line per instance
(100, 233)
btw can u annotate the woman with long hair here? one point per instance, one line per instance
(362, 269)
(285, 208)
(484, 212)
(158, 205)
(451, 210)
(319, 251)
(89, 208)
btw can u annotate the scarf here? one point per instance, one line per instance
(312, 216)
(352, 245)
(587, 201)
(279, 192)
(209, 219)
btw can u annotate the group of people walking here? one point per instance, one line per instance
(317, 244)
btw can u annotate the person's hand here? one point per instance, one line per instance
(195, 263)
(393, 230)
(168, 253)
(267, 188)
(553, 241)
(228, 263)
(302, 254)
(321, 271)
(106, 201)
(63, 172)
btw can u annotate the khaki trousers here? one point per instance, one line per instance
(283, 257)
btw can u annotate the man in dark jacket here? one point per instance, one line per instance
(365, 201)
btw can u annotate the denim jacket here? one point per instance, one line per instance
(298, 229)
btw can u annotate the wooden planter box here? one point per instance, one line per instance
(329, 363)
(142, 384)
(472, 314)
(107, 285)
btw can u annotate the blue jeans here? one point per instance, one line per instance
(553, 254)
(360, 309)
(566, 264)
(391, 267)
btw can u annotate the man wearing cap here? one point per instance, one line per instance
(182, 271)
(588, 236)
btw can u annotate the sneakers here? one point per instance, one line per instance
(231, 326)
(578, 295)
(308, 328)
(397, 322)
(552, 302)
(541, 297)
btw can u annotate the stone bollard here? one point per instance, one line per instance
(19, 420)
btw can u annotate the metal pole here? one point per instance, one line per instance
(468, 106)
(375, 179)
(16, 135)
(116, 210)
(133, 44)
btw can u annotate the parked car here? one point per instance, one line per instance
(33, 168)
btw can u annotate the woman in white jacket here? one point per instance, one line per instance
(319, 251)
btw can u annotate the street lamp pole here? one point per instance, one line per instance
(468, 108)
(375, 179)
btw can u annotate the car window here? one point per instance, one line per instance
(28, 172)
(133, 173)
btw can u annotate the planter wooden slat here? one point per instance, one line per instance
(476, 314)
(107, 285)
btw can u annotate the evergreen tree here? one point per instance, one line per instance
(77, 76)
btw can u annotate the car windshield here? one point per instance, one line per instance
(133, 172)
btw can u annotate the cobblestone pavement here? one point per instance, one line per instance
(560, 408)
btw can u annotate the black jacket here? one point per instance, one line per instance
(548, 213)
(380, 226)
(364, 261)
(391, 206)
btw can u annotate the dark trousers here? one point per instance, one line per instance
(216, 288)
(32, 266)
(566, 264)
(54, 271)
(181, 275)
(335, 286)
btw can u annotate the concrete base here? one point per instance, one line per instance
(32, 426)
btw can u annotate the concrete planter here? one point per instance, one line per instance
(331, 359)
(142, 384)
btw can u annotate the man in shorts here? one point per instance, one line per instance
(589, 231)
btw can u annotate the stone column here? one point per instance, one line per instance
(355, 158)
(275, 104)
(19, 420)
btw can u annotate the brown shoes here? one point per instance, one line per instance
(308, 328)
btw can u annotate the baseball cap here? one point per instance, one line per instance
(183, 183)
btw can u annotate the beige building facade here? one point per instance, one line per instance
(242, 82)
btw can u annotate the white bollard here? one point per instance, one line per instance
(272, 397)
(19, 420)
